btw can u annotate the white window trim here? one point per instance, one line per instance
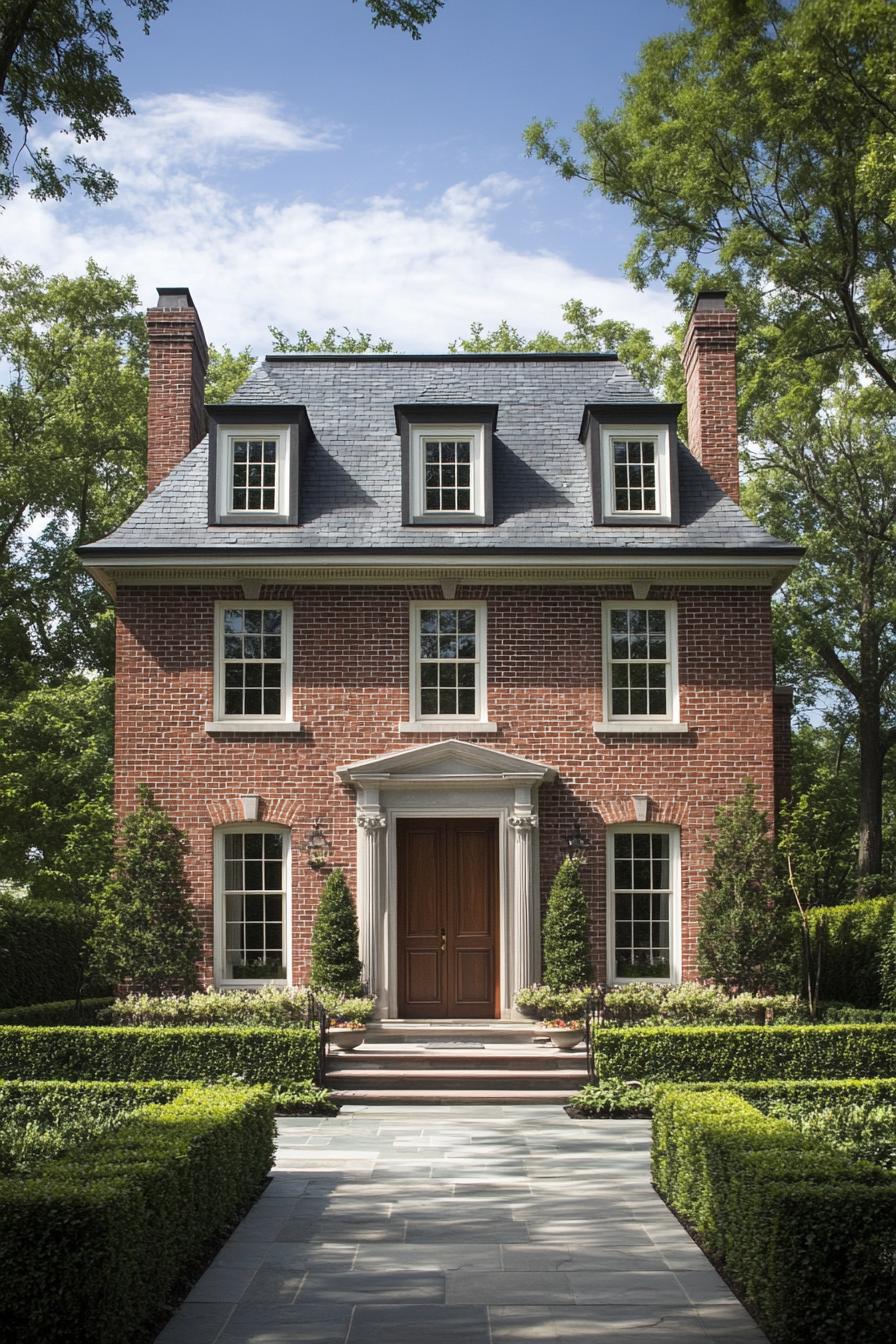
(620, 723)
(220, 921)
(226, 436)
(475, 433)
(223, 723)
(674, 834)
(470, 723)
(660, 435)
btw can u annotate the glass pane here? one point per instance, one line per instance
(619, 622)
(447, 702)
(448, 621)
(429, 621)
(429, 702)
(233, 621)
(466, 620)
(466, 702)
(429, 674)
(619, 702)
(638, 703)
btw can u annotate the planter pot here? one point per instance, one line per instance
(345, 1038)
(566, 1038)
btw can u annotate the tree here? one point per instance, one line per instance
(744, 931)
(335, 963)
(147, 934)
(227, 370)
(827, 479)
(57, 57)
(345, 342)
(756, 144)
(565, 933)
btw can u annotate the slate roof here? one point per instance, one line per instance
(351, 474)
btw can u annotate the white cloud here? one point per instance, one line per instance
(417, 271)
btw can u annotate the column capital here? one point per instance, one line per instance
(370, 821)
(523, 821)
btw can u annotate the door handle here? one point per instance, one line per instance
(444, 942)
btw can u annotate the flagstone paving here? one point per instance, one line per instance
(460, 1225)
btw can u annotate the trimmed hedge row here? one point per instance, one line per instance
(41, 950)
(251, 1054)
(805, 1235)
(715, 1054)
(94, 1248)
(852, 937)
(613, 1098)
(64, 1013)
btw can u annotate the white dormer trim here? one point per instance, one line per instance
(228, 435)
(658, 434)
(472, 433)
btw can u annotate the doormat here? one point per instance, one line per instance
(454, 1045)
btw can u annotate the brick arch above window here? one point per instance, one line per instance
(614, 811)
(274, 811)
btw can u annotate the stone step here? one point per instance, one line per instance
(473, 1097)
(423, 1061)
(467, 1080)
(383, 1032)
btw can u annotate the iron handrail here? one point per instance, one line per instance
(317, 1013)
(594, 1011)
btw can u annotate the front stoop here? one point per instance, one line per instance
(455, 1062)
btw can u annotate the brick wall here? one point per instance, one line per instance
(350, 678)
(178, 359)
(709, 359)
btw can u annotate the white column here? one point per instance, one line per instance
(526, 920)
(372, 898)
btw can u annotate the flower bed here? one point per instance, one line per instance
(805, 1233)
(96, 1243)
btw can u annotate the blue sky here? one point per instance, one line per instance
(295, 166)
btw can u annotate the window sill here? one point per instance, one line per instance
(253, 726)
(640, 727)
(447, 726)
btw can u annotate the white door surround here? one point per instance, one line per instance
(448, 779)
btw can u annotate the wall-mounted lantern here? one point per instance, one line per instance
(576, 843)
(317, 846)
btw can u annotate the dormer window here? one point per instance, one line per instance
(633, 462)
(446, 464)
(253, 459)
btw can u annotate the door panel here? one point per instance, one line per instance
(447, 917)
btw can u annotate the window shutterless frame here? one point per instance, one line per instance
(647, 893)
(240, 466)
(220, 911)
(656, 436)
(433, 499)
(451, 662)
(256, 659)
(643, 662)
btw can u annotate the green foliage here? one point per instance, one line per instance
(865, 1132)
(56, 816)
(818, 825)
(713, 1054)
(147, 933)
(250, 1054)
(63, 1013)
(888, 965)
(227, 370)
(57, 57)
(408, 15)
(547, 1003)
(345, 1007)
(619, 1098)
(744, 934)
(332, 342)
(95, 1245)
(302, 1098)
(269, 1006)
(41, 950)
(803, 1232)
(693, 1004)
(614, 1099)
(850, 939)
(565, 931)
(335, 963)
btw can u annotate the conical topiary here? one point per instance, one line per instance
(565, 933)
(335, 963)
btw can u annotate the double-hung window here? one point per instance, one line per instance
(447, 473)
(252, 897)
(253, 474)
(643, 903)
(448, 662)
(640, 662)
(635, 474)
(253, 651)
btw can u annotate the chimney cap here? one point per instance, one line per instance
(709, 301)
(175, 296)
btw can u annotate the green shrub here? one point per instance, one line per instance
(744, 928)
(40, 1120)
(852, 938)
(845, 1012)
(803, 1232)
(715, 1054)
(252, 1054)
(147, 934)
(694, 1004)
(345, 1007)
(618, 1097)
(335, 963)
(268, 1006)
(888, 963)
(42, 950)
(302, 1098)
(67, 1013)
(859, 1128)
(547, 1003)
(565, 932)
(612, 1098)
(98, 1243)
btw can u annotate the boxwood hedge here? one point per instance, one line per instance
(805, 1235)
(251, 1054)
(851, 937)
(95, 1246)
(715, 1054)
(62, 1013)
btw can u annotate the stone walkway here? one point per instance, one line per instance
(474, 1225)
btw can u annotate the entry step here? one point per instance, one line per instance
(468, 1097)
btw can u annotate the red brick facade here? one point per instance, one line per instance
(709, 358)
(178, 359)
(350, 691)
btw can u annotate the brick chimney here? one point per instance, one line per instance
(710, 374)
(178, 359)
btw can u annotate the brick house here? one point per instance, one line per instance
(441, 619)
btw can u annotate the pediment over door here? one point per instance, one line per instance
(447, 762)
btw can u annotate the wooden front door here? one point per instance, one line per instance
(448, 917)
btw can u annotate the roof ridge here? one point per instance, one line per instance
(466, 356)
